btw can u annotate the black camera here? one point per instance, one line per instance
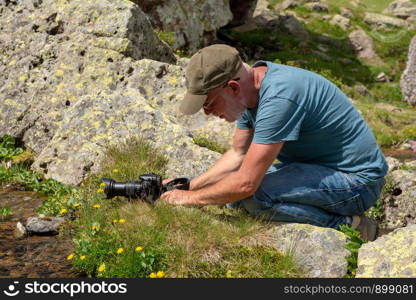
(149, 188)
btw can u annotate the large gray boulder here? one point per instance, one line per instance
(400, 203)
(363, 45)
(319, 252)
(74, 79)
(382, 21)
(401, 8)
(97, 121)
(193, 23)
(408, 79)
(392, 255)
(54, 52)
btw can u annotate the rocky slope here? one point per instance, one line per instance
(76, 76)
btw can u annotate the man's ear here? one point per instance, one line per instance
(235, 87)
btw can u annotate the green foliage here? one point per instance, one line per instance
(376, 211)
(212, 145)
(57, 192)
(167, 36)
(354, 243)
(176, 241)
(331, 77)
(98, 247)
(5, 212)
(8, 148)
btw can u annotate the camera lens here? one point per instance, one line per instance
(129, 189)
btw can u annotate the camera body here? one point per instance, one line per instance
(148, 188)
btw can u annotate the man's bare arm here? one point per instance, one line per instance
(229, 162)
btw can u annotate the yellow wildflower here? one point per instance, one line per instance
(101, 268)
(94, 227)
(102, 185)
(139, 248)
(82, 257)
(160, 274)
(63, 211)
(76, 204)
(70, 256)
(97, 206)
(115, 221)
(121, 221)
(100, 191)
(153, 275)
(120, 250)
(115, 170)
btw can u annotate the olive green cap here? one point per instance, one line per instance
(209, 68)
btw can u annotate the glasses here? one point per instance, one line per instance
(208, 104)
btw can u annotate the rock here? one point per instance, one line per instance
(193, 23)
(382, 21)
(77, 146)
(411, 164)
(362, 90)
(318, 251)
(63, 107)
(408, 78)
(326, 17)
(400, 203)
(242, 10)
(412, 145)
(392, 255)
(262, 17)
(363, 46)
(50, 226)
(43, 73)
(341, 21)
(286, 5)
(347, 13)
(382, 77)
(293, 26)
(20, 231)
(318, 6)
(393, 163)
(401, 8)
(411, 20)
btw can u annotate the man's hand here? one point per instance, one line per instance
(177, 197)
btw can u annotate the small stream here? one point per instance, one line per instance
(34, 256)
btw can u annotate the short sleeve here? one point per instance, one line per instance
(244, 123)
(278, 119)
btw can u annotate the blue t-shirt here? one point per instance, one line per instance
(318, 123)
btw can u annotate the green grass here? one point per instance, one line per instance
(5, 212)
(178, 241)
(121, 238)
(58, 194)
(390, 126)
(210, 144)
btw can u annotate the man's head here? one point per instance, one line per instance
(209, 71)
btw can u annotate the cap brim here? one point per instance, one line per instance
(192, 103)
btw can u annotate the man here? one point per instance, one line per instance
(332, 169)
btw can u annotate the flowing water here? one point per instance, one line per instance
(33, 256)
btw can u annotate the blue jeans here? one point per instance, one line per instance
(309, 193)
